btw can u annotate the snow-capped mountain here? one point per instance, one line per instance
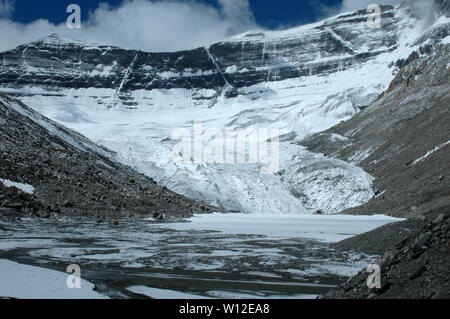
(300, 81)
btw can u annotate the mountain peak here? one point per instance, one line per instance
(56, 39)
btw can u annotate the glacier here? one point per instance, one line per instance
(300, 81)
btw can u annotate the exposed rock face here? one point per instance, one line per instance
(327, 47)
(402, 139)
(71, 175)
(416, 267)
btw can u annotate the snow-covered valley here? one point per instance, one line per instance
(272, 238)
(139, 124)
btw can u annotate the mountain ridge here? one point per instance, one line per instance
(131, 102)
(210, 64)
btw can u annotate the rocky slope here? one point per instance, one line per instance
(402, 139)
(415, 267)
(70, 175)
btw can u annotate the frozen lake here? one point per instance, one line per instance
(209, 256)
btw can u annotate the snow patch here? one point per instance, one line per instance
(434, 150)
(26, 188)
(29, 282)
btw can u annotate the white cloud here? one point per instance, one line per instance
(325, 11)
(238, 13)
(6, 8)
(150, 25)
(424, 10)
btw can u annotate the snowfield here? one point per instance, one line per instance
(28, 282)
(142, 138)
(142, 134)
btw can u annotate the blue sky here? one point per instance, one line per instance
(161, 25)
(268, 13)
